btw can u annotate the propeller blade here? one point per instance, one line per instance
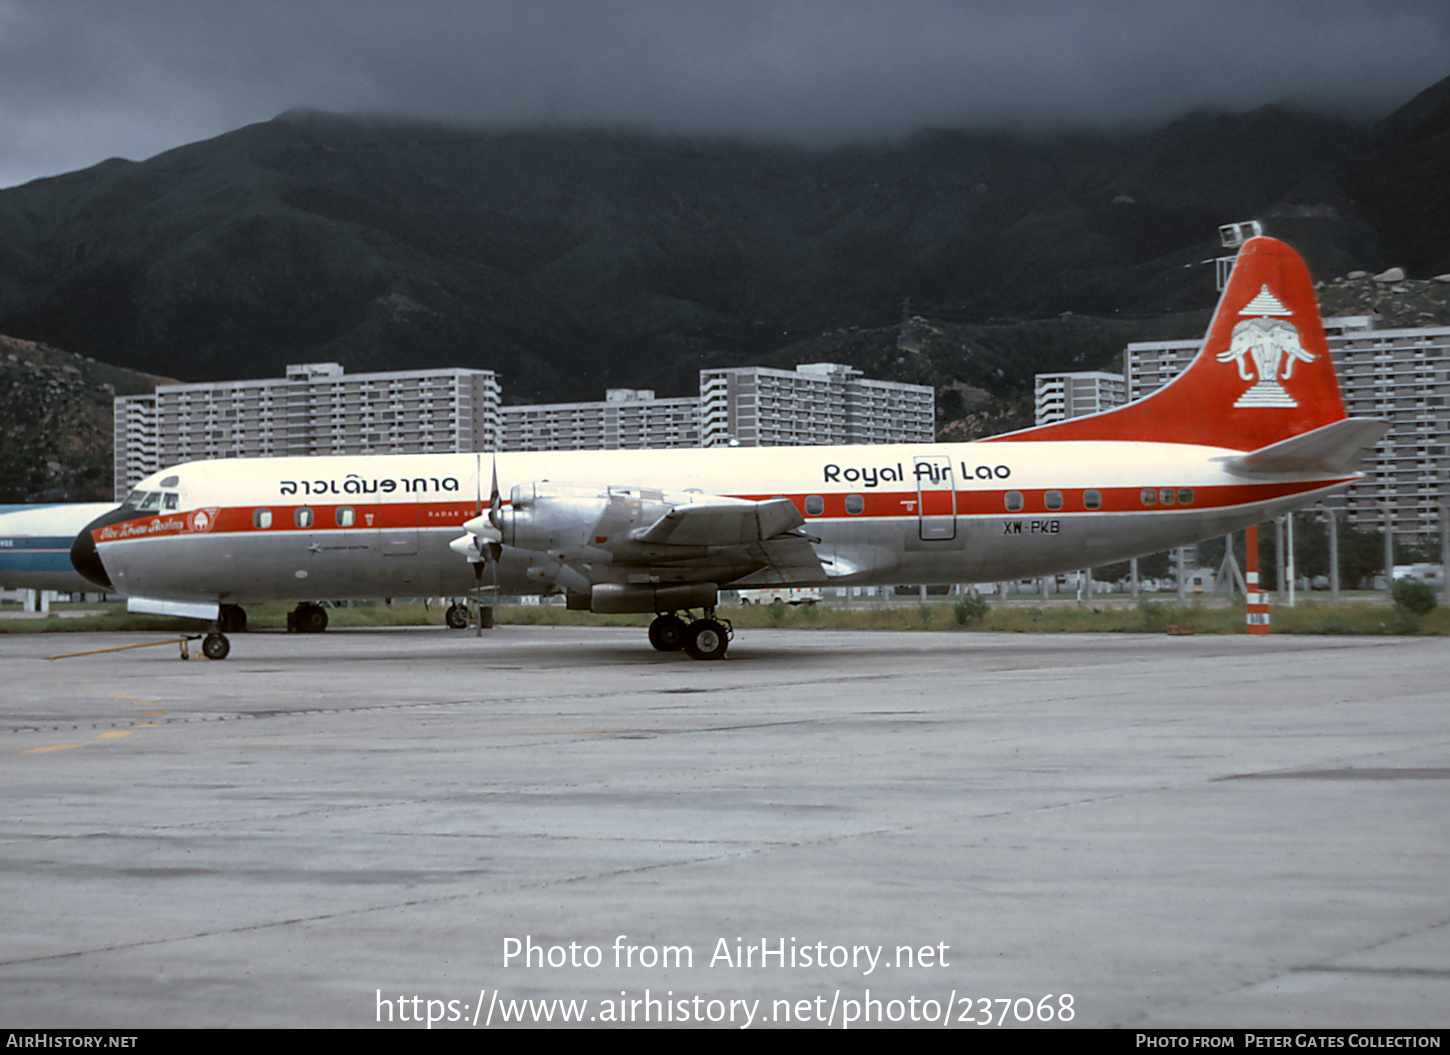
(495, 501)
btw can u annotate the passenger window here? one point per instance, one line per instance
(855, 505)
(345, 516)
(1053, 500)
(1165, 496)
(1092, 500)
(171, 501)
(262, 519)
(1149, 496)
(815, 505)
(1014, 501)
(302, 517)
(1185, 496)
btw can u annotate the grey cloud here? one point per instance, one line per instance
(81, 80)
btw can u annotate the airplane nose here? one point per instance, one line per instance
(83, 556)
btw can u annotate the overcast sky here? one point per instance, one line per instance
(84, 80)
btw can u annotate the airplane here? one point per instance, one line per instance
(1253, 428)
(35, 545)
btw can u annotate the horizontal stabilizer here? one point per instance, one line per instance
(722, 522)
(1334, 448)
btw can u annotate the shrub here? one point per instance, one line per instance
(1413, 596)
(970, 609)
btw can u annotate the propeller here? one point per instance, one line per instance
(483, 543)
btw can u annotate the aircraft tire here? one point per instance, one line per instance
(312, 619)
(215, 646)
(706, 639)
(456, 617)
(667, 633)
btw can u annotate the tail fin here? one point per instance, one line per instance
(1263, 374)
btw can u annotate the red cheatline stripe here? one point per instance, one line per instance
(876, 505)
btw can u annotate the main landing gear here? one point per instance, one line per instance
(706, 638)
(307, 619)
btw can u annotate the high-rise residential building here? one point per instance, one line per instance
(816, 403)
(1398, 375)
(316, 408)
(1058, 397)
(1401, 376)
(627, 419)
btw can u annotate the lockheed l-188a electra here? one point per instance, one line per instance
(1253, 428)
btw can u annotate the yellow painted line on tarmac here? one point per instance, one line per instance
(114, 734)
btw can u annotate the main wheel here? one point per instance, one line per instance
(215, 646)
(667, 633)
(706, 639)
(456, 617)
(312, 619)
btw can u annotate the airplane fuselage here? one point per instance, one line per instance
(359, 527)
(35, 545)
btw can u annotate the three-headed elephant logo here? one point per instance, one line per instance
(1272, 346)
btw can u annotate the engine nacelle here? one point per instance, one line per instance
(552, 518)
(574, 522)
(628, 598)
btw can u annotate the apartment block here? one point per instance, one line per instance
(317, 408)
(816, 403)
(1058, 397)
(627, 419)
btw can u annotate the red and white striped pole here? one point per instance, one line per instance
(1257, 614)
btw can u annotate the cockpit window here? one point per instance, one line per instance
(150, 501)
(171, 500)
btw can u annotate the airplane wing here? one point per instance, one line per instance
(722, 522)
(789, 559)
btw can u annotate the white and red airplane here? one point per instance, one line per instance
(1254, 427)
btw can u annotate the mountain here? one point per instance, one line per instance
(57, 423)
(570, 262)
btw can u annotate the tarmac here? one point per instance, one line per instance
(828, 828)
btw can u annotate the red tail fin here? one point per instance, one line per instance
(1263, 374)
